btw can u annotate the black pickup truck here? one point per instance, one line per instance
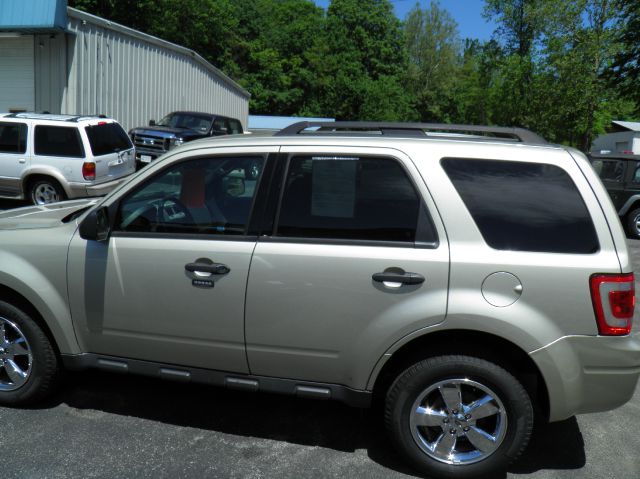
(177, 128)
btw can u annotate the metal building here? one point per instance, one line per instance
(58, 59)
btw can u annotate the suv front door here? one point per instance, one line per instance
(169, 284)
(325, 298)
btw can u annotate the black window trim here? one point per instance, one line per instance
(248, 234)
(78, 135)
(425, 221)
(26, 129)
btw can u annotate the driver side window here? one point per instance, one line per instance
(210, 196)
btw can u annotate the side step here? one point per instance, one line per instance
(244, 382)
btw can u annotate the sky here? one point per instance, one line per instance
(467, 14)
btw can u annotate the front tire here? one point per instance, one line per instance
(44, 191)
(458, 416)
(29, 367)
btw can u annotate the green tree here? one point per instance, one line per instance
(625, 70)
(579, 45)
(360, 61)
(277, 64)
(520, 25)
(433, 46)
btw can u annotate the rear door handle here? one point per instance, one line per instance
(404, 278)
(22, 160)
(215, 268)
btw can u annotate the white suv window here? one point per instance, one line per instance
(13, 137)
(58, 141)
(105, 138)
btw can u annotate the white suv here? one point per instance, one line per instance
(47, 158)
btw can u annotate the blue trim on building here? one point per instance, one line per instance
(264, 122)
(33, 16)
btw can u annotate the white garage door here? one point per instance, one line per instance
(16, 74)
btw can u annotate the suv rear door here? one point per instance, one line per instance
(314, 310)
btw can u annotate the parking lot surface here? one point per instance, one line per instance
(116, 426)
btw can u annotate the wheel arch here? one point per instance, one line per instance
(17, 300)
(34, 175)
(470, 343)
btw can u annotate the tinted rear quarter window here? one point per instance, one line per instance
(106, 138)
(58, 141)
(524, 206)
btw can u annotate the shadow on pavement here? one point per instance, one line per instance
(282, 418)
(558, 445)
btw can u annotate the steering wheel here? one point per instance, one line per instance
(172, 210)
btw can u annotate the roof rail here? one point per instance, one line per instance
(53, 116)
(412, 130)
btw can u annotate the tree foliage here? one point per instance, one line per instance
(625, 70)
(564, 68)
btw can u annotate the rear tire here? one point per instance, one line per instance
(633, 223)
(458, 417)
(44, 191)
(29, 367)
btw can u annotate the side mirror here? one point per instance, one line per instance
(152, 123)
(96, 225)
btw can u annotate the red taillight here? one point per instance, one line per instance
(89, 171)
(613, 297)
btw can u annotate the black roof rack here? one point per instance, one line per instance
(412, 130)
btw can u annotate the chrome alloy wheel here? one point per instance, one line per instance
(44, 194)
(15, 356)
(458, 421)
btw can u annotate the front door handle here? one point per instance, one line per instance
(404, 278)
(22, 160)
(214, 268)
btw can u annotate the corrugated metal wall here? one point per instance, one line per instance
(129, 76)
(50, 71)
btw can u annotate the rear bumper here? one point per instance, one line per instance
(589, 373)
(81, 190)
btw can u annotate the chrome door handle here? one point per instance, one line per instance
(22, 160)
(404, 278)
(215, 268)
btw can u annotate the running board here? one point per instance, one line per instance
(243, 382)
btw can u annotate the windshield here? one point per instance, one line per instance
(189, 121)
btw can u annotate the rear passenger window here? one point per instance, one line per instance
(524, 206)
(58, 141)
(13, 137)
(351, 198)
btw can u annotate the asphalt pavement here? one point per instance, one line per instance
(104, 425)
